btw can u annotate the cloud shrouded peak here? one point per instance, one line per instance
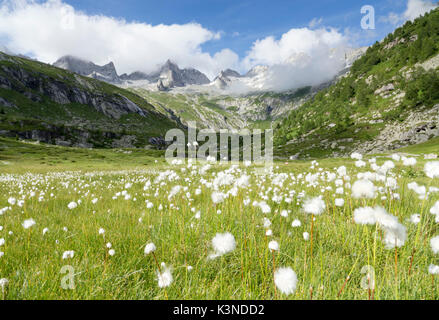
(301, 57)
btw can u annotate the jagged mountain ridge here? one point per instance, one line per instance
(169, 75)
(86, 68)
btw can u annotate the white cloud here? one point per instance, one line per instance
(300, 57)
(392, 18)
(315, 22)
(52, 29)
(416, 8)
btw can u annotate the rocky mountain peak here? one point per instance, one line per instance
(88, 69)
(231, 73)
(169, 65)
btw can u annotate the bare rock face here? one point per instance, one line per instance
(419, 127)
(167, 76)
(383, 91)
(161, 86)
(172, 76)
(159, 143)
(113, 106)
(85, 68)
(430, 64)
(125, 142)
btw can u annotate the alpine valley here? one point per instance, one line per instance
(384, 97)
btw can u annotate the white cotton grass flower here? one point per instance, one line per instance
(435, 209)
(111, 252)
(174, 191)
(45, 230)
(420, 190)
(2, 242)
(72, 205)
(395, 232)
(68, 255)
(314, 206)
(267, 223)
(264, 207)
(285, 280)
(364, 189)
(149, 248)
(356, 156)
(273, 246)
(164, 278)
(435, 245)
(365, 216)
(222, 244)
(342, 171)
(306, 236)
(29, 223)
(217, 197)
(269, 233)
(12, 201)
(395, 237)
(415, 218)
(101, 231)
(1, 254)
(432, 169)
(360, 164)
(409, 162)
(296, 223)
(433, 269)
(339, 202)
(4, 283)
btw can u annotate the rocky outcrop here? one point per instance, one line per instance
(161, 86)
(419, 127)
(27, 83)
(430, 64)
(85, 68)
(127, 141)
(172, 76)
(221, 81)
(159, 143)
(6, 103)
(74, 137)
(385, 90)
(57, 135)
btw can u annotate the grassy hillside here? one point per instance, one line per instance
(394, 80)
(37, 96)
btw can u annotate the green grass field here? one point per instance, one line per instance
(138, 203)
